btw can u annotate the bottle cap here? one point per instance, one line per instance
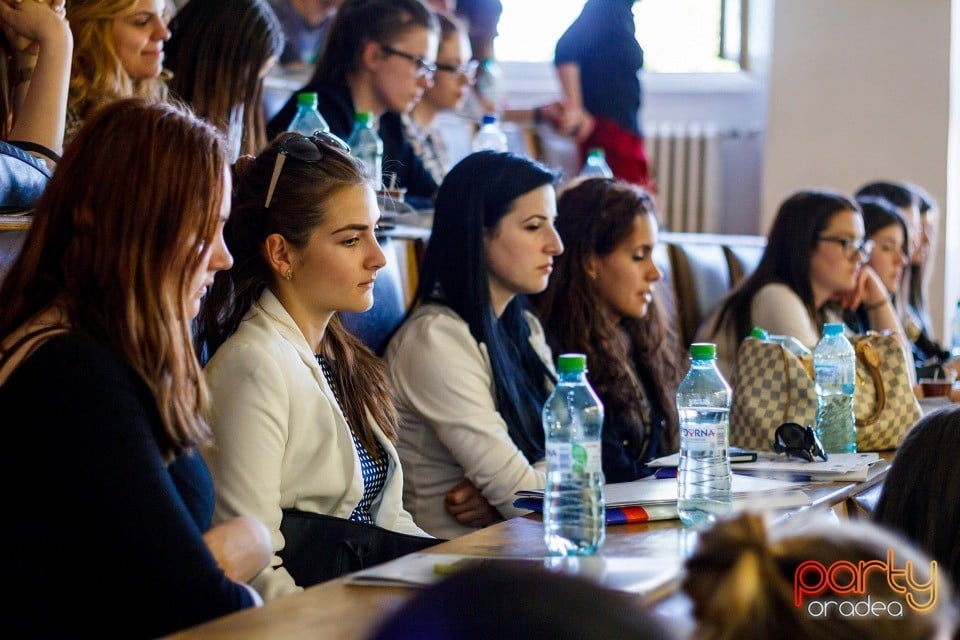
(308, 98)
(703, 351)
(571, 363)
(488, 118)
(759, 333)
(833, 329)
(363, 117)
(597, 151)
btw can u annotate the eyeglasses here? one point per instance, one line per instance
(798, 441)
(851, 246)
(468, 69)
(424, 69)
(304, 149)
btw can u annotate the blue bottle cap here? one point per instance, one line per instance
(833, 329)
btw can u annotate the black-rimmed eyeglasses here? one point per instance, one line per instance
(467, 69)
(304, 149)
(424, 68)
(798, 441)
(851, 246)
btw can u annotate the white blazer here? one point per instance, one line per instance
(280, 439)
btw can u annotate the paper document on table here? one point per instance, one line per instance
(641, 575)
(840, 467)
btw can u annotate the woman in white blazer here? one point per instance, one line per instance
(470, 367)
(301, 416)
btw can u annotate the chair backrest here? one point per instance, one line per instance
(375, 326)
(23, 178)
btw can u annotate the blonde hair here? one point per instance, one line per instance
(97, 75)
(741, 582)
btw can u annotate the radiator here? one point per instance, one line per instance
(684, 160)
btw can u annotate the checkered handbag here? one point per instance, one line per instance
(884, 402)
(771, 386)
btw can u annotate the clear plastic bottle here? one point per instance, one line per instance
(308, 118)
(792, 344)
(835, 369)
(596, 165)
(703, 477)
(489, 135)
(573, 508)
(366, 146)
(955, 333)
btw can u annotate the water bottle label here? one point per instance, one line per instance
(704, 436)
(581, 457)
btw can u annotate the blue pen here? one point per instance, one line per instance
(666, 472)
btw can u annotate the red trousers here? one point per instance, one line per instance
(624, 152)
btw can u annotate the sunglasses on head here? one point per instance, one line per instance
(305, 149)
(798, 441)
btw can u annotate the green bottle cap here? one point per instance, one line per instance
(308, 98)
(596, 151)
(571, 363)
(363, 118)
(703, 351)
(759, 333)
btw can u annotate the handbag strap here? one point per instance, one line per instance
(868, 355)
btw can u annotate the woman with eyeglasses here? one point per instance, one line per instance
(814, 266)
(451, 83)
(302, 413)
(378, 58)
(470, 366)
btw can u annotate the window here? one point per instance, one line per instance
(677, 36)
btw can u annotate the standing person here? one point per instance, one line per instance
(305, 26)
(102, 396)
(302, 412)
(598, 60)
(600, 301)
(379, 59)
(118, 53)
(470, 366)
(455, 75)
(219, 55)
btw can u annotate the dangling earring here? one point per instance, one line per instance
(289, 274)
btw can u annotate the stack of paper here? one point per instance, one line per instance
(840, 467)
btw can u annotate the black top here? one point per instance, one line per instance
(107, 539)
(336, 106)
(602, 41)
(625, 451)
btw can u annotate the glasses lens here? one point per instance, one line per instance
(325, 138)
(301, 148)
(866, 249)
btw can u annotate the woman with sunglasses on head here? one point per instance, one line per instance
(102, 397)
(302, 412)
(117, 53)
(814, 266)
(470, 366)
(378, 58)
(600, 302)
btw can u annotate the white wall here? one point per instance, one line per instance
(860, 90)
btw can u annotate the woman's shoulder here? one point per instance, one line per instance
(776, 292)
(431, 327)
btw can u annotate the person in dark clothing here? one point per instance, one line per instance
(379, 58)
(103, 400)
(601, 301)
(598, 60)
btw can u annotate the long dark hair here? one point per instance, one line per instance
(786, 258)
(300, 202)
(473, 198)
(361, 21)
(594, 217)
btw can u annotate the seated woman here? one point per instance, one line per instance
(219, 55)
(102, 396)
(813, 266)
(301, 409)
(609, 230)
(33, 92)
(744, 582)
(921, 493)
(378, 58)
(455, 74)
(118, 53)
(470, 366)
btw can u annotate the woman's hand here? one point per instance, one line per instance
(27, 23)
(241, 547)
(468, 506)
(868, 291)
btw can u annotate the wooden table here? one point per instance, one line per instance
(338, 611)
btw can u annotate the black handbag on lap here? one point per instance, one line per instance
(319, 547)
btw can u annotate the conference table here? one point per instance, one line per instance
(337, 610)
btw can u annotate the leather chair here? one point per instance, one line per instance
(375, 326)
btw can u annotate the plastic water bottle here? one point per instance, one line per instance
(955, 333)
(596, 165)
(489, 135)
(703, 477)
(308, 118)
(793, 345)
(835, 369)
(366, 146)
(573, 508)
